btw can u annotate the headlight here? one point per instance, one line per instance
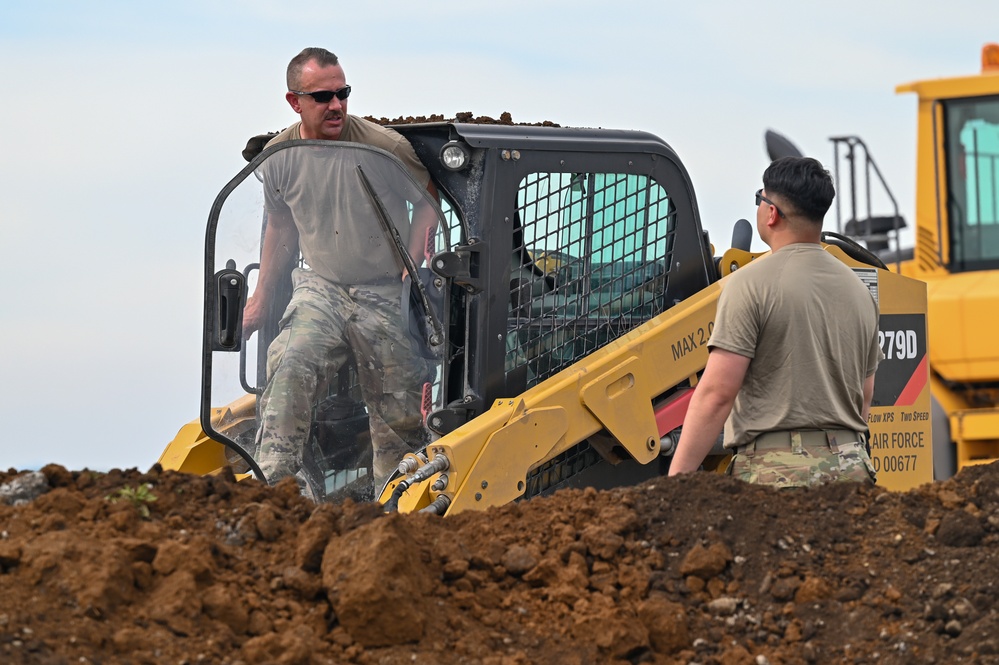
(454, 156)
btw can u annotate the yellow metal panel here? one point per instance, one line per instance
(962, 318)
(623, 407)
(981, 424)
(193, 451)
(497, 476)
(974, 434)
(932, 248)
(950, 88)
(901, 434)
(976, 461)
(734, 258)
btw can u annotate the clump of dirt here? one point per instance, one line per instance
(463, 117)
(256, 144)
(158, 567)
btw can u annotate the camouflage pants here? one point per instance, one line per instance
(803, 458)
(323, 324)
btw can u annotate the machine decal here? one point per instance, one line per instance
(692, 341)
(915, 385)
(897, 448)
(869, 276)
(902, 375)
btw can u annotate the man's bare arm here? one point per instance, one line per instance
(280, 247)
(709, 407)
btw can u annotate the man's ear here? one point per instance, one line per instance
(773, 217)
(293, 101)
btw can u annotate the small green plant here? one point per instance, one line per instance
(138, 496)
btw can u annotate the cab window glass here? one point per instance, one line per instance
(973, 181)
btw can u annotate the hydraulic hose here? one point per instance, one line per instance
(392, 505)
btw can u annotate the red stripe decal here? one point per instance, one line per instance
(670, 415)
(915, 385)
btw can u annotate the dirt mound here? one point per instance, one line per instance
(126, 567)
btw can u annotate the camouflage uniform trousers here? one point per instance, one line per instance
(323, 323)
(804, 458)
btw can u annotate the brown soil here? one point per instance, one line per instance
(256, 143)
(700, 569)
(464, 117)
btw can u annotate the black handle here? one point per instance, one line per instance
(230, 297)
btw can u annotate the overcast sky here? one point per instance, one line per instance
(122, 120)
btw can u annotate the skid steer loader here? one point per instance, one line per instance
(576, 292)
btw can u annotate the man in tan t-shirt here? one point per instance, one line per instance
(346, 300)
(790, 373)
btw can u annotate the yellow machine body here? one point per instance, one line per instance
(956, 252)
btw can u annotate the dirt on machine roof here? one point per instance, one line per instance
(256, 144)
(160, 567)
(464, 117)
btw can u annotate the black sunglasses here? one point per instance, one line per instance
(325, 96)
(760, 197)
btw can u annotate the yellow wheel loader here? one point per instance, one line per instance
(575, 292)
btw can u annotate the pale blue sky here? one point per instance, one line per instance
(122, 121)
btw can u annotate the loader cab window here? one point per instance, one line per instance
(972, 145)
(590, 263)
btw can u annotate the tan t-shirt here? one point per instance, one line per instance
(340, 235)
(810, 327)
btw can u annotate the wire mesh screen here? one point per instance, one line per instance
(591, 259)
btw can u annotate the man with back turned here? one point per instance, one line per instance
(793, 353)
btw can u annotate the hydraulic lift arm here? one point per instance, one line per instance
(612, 390)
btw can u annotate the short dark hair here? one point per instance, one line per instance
(802, 182)
(322, 57)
